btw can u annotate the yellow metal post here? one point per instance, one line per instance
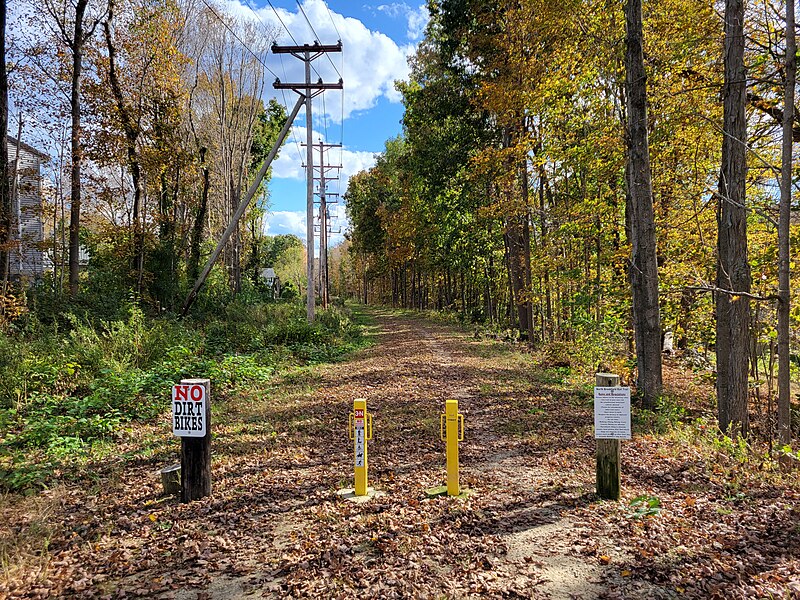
(360, 433)
(452, 432)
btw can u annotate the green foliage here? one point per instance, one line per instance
(644, 506)
(71, 386)
(737, 449)
(668, 415)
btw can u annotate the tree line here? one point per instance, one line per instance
(152, 111)
(597, 172)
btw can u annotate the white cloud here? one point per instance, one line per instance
(339, 223)
(395, 9)
(289, 163)
(417, 21)
(284, 222)
(417, 18)
(369, 64)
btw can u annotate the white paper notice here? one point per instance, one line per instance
(612, 413)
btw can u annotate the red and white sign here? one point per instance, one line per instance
(189, 404)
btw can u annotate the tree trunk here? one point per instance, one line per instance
(547, 329)
(784, 296)
(644, 267)
(733, 269)
(526, 252)
(131, 131)
(366, 289)
(197, 228)
(78, 40)
(5, 188)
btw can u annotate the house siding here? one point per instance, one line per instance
(27, 256)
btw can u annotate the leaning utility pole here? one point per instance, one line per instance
(308, 53)
(242, 207)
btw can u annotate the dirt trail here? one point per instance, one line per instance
(275, 526)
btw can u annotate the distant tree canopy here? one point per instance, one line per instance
(170, 132)
(507, 196)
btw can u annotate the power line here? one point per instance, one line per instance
(341, 124)
(282, 23)
(341, 133)
(302, 10)
(324, 117)
(283, 92)
(338, 72)
(233, 33)
(332, 21)
(294, 137)
(290, 34)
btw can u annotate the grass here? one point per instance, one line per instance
(24, 551)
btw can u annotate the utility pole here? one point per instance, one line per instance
(323, 219)
(308, 53)
(323, 230)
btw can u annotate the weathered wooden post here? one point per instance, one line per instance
(191, 413)
(612, 423)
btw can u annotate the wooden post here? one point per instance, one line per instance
(171, 480)
(608, 472)
(196, 455)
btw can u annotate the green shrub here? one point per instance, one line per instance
(71, 383)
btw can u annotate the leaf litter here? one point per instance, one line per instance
(532, 527)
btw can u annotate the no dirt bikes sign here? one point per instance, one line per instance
(189, 410)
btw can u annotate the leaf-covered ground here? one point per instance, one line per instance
(713, 523)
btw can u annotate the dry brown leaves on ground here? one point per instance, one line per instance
(532, 527)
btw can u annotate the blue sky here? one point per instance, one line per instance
(377, 39)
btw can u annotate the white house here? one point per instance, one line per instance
(272, 280)
(27, 256)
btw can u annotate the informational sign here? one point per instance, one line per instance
(359, 446)
(612, 413)
(358, 422)
(189, 404)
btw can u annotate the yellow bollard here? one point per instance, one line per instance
(452, 432)
(360, 431)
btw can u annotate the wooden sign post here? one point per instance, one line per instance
(612, 423)
(191, 420)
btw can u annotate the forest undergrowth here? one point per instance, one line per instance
(75, 385)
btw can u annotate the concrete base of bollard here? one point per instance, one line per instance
(350, 494)
(441, 490)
